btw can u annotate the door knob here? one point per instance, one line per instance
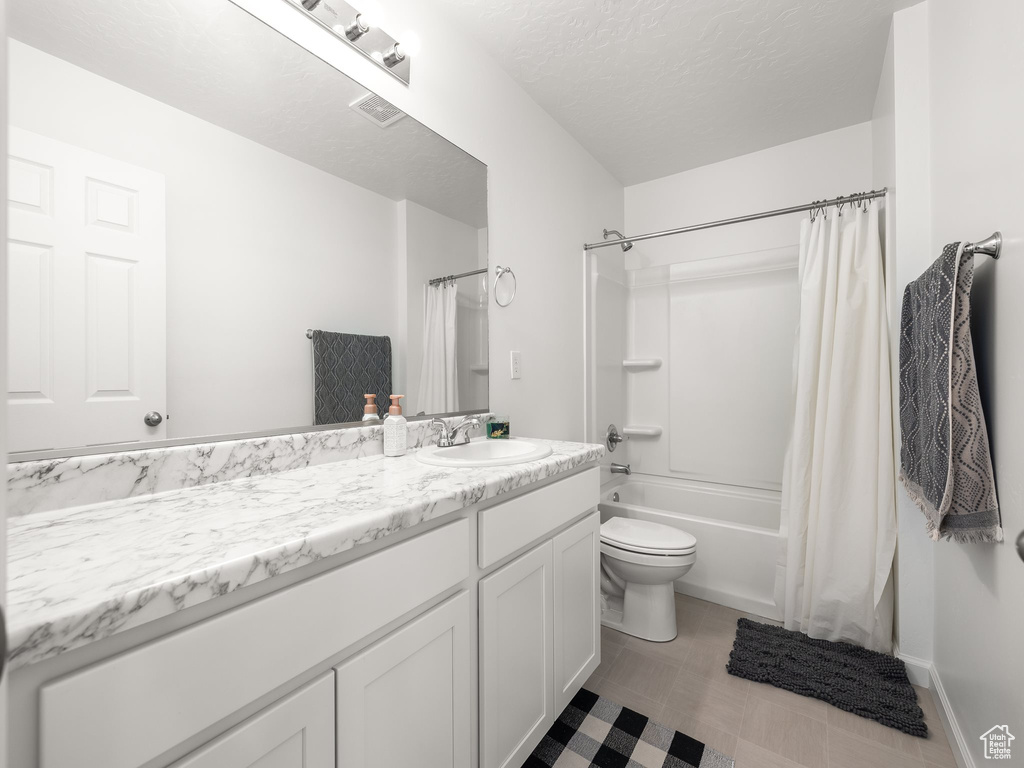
(1020, 545)
(153, 419)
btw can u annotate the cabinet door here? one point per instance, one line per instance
(296, 732)
(515, 659)
(577, 649)
(405, 701)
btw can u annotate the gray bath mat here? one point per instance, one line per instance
(866, 683)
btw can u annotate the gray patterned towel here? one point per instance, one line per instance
(345, 367)
(945, 461)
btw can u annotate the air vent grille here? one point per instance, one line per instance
(377, 110)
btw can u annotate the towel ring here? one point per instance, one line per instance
(499, 271)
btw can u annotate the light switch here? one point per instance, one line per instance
(517, 365)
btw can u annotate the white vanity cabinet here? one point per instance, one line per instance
(516, 652)
(296, 732)
(455, 646)
(577, 613)
(539, 640)
(406, 700)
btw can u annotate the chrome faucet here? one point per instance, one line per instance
(621, 469)
(446, 437)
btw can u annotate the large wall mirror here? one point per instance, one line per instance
(190, 193)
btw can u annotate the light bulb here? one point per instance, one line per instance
(377, 56)
(410, 45)
(370, 13)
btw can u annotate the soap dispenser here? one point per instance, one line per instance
(395, 431)
(370, 409)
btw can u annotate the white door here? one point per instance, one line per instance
(86, 297)
(577, 649)
(296, 732)
(515, 659)
(406, 700)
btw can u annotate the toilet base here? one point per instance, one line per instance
(647, 611)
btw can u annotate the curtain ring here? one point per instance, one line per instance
(499, 271)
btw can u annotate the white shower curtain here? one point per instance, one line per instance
(838, 529)
(439, 384)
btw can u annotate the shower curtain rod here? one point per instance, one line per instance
(740, 219)
(437, 280)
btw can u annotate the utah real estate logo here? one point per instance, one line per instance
(997, 742)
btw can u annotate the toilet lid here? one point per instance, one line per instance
(647, 537)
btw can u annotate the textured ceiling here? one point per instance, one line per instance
(213, 60)
(654, 87)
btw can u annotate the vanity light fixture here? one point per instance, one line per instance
(361, 29)
(396, 54)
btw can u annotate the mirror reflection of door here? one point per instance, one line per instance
(86, 287)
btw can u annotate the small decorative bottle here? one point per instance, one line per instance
(370, 409)
(396, 434)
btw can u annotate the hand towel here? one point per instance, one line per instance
(945, 461)
(345, 367)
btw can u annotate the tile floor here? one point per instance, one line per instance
(683, 684)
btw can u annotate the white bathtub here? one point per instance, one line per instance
(737, 531)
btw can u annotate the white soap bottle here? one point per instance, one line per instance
(396, 433)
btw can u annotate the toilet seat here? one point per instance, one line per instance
(643, 537)
(664, 560)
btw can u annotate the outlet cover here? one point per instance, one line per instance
(517, 365)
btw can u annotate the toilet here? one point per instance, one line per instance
(639, 562)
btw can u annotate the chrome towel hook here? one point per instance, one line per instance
(500, 271)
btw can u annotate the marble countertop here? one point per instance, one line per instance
(82, 574)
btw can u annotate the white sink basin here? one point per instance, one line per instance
(484, 453)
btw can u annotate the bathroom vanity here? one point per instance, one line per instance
(364, 612)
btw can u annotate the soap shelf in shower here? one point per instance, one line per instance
(635, 430)
(642, 364)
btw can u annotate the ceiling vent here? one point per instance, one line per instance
(377, 110)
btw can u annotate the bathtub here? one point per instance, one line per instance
(737, 531)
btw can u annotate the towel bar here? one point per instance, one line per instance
(990, 246)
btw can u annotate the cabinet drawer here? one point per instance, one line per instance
(131, 708)
(513, 524)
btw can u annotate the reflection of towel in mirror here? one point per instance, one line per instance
(946, 466)
(346, 367)
(438, 390)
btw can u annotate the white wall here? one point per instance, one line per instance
(902, 162)
(825, 165)
(435, 246)
(3, 363)
(546, 197)
(977, 177)
(237, 235)
(747, 286)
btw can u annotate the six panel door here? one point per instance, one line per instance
(86, 287)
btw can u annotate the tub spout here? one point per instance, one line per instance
(621, 469)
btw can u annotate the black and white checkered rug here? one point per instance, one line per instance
(596, 732)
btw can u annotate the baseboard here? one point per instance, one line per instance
(957, 741)
(918, 670)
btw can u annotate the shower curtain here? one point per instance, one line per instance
(838, 529)
(439, 385)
